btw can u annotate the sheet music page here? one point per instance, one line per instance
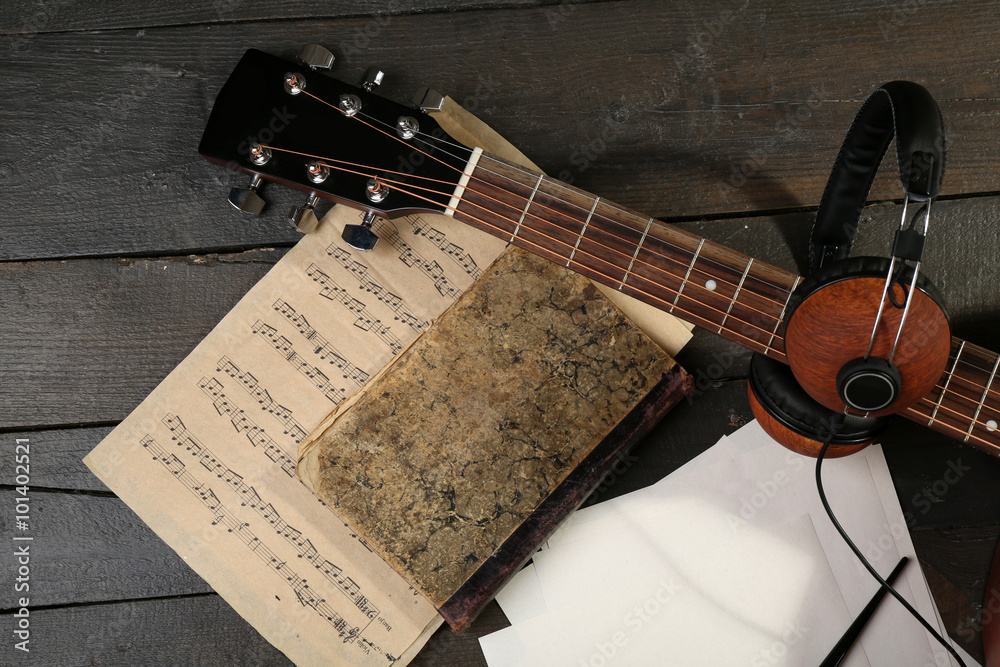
(208, 459)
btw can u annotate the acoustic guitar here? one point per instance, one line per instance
(286, 122)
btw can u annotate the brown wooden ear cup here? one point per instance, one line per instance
(829, 325)
(797, 421)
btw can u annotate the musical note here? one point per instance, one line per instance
(410, 257)
(365, 320)
(370, 285)
(321, 345)
(455, 252)
(241, 529)
(284, 347)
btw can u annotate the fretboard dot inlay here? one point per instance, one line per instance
(710, 285)
(991, 425)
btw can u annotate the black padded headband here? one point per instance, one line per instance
(901, 108)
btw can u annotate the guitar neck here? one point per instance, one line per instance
(707, 284)
(720, 290)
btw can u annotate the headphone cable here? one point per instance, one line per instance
(864, 561)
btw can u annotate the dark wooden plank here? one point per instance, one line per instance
(57, 457)
(199, 630)
(127, 322)
(22, 17)
(956, 563)
(112, 121)
(91, 548)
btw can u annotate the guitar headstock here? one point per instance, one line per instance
(281, 121)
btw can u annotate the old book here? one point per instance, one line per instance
(489, 429)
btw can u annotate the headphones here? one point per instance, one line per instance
(865, 337)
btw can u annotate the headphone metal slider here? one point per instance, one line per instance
(909, 245)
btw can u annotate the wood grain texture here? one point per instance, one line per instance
(94, 549)
(57, 457)
(197, 630)
(663, 129)
(21, 17)
(128, 321)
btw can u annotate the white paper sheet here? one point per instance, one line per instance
(753, 601)
(749, 484)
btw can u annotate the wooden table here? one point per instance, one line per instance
(120, 253)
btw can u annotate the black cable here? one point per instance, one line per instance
(864, 561)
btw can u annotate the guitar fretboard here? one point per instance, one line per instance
(965, 403)
(709, 285)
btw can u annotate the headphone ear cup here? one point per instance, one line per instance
(798, 422)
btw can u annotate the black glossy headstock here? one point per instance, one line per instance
(256, 107)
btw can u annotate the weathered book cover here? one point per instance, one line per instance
(468, 451)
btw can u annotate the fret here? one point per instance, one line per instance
(947, 382)
(636, 254)
(781, 316)
(736, 295)
(982, 400)
(582, 232)
(687, 275)
(526, 207)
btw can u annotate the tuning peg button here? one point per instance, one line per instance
(315, 56)
(361, 236)
(246, 199)
(304, 217)
(373, 79)
(428, 99)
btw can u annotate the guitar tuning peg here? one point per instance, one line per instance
(361, 236)
(373, 79)
(304, 217)
(246, 199)
(428, 99)
(315, 56)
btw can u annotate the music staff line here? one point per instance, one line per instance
(251, 498)
(257, 436)
(321, 346)
(284, 347)
(451, 250)
(365, 320)
(372, 286)
(225, 516)
(411, 258)
(252, 386)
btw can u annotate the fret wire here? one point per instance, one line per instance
(582, 232)
(687, 275)
(637, 249)
(917, 413)
(946, 383)
(982, 399)
(736, 295)
(526, 207)
(782, 315)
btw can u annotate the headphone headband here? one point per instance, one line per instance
(899, 108)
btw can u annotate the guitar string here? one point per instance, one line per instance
(970, 365)
(969, 383)
(913, 409)
(564, 186)
(327, 162)
(733, 300)
(734, 332)
(615, 207)
(395, 137)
